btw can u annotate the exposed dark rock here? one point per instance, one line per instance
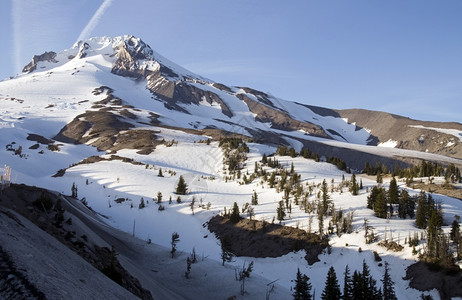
(39, 139)
(280, 120)
(47, 56)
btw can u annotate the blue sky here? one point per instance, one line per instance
(403, 57)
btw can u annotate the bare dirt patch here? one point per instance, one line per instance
(450, 191)
(261, 239)
(424, 277)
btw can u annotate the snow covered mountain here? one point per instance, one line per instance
(122, 123)
(102, 87)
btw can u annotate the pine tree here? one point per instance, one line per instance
(254, 198)
(421, 216)
(182, 187)
(235, 217)
(379, 178)
(455, 229)
(74, 191)
(393, 192)
(159, 197)
(272, 180)
(357, 284)
(160, 173)
(264, 159)
(369, 284)
(325, 198)
(373, 197)
(302, 290)
(392, 195)
(332, 289)
(388, 290)
(347, 285)
(354, 188)
(175, 239)
(380, 206)
(280, 211)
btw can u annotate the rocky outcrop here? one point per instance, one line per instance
(279, 119)
(32, 66)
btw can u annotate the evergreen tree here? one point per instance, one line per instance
(175, 239)
(325, 198)
(373, 197)
(332, 289)
(280, 211)
(235, 217)
(74, 191)
(264, 159)
(354, 188)
(369, 284)
(388, 290)
(406, 205)
(182, 187)
(159, 197)
(380, 206)
(409, 203)
(393, 192)
(455, 229)
(421, 216)
(160, 173)
(379, 178)
(254, 198)
(347, 285)
(433, 231)
(357, 284)
(272, 180)
(302, 290)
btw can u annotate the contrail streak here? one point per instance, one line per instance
(94, 20)
(17, 49)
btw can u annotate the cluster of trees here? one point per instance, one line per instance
(428, 214)
(306, 153)
(383, 201)
(360, 285)
(425, 169)
(234, 153)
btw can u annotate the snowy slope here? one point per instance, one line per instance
(46, 100)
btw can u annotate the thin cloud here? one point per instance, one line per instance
(94, 20)
(17, 49)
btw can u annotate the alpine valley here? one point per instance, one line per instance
(127, 176)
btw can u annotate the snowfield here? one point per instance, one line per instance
(102, 183)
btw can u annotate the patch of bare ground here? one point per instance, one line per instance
(425, 277)
(254, 238)
(443, 189)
